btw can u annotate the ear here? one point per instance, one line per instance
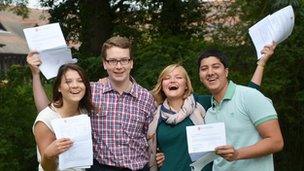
(104, 63)
(131, 63)
(59, 90)
(227, 72)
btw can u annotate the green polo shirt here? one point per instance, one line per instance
(242, 109)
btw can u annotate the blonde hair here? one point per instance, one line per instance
(158, 92)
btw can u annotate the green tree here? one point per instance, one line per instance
(93, 21)
(175, 17)
(17, 145)
(90, 21)
(283, 74)
(166, 32)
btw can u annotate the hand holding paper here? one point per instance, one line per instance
(205, 138)
(228, 152)
(78, 129)
(44, 37)
(202, 141)
(199, 164)
(266, 52)
(49, 42)
(276, 27)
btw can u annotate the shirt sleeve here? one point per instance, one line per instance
(150, 108)
(46, 117)
(258, 107)
(254, 85)
(204, 100)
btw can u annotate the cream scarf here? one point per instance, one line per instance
(195, 111)
(190, 107)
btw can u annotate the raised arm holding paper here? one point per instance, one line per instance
(71, 97)
(273, 28)
(179, 108)
(49, 42)
(251, 122)
(133, 106)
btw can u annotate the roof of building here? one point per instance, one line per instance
(12, 40)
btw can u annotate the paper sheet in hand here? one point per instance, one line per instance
(205, 138)
(276, 27)
(49, 42)
(52, 60)
(78, 129)
(200, 163)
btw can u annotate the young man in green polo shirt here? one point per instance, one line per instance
(252, 127)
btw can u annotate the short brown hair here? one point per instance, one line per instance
(117, 41)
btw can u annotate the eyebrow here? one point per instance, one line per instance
(119, 58)
(217, 63)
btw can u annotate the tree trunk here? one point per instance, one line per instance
(96, 25)
(170, 16)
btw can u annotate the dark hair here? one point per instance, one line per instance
(86, 101)
(215, 53)
(117, 41)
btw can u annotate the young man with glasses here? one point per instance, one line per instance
(124, 110)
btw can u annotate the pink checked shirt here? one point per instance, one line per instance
(120, 125)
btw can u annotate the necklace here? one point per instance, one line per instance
(63, 113)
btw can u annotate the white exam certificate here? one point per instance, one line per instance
(275, 27)
(49, 42)
(205, 138)
(77, 128)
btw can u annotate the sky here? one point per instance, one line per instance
(33, 3)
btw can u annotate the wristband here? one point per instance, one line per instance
(260, 64)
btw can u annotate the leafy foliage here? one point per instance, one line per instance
(283, 75)
(92, 22)
(17, 146)
(166, 32)
(152, 57)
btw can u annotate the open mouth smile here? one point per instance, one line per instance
(173, 87)
(75, 92)
(211, 79)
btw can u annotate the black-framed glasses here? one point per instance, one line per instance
(114, 62)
